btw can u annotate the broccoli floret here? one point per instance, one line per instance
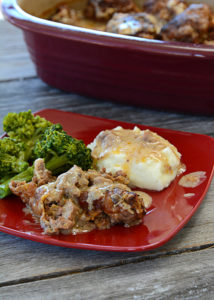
(12, 157)
(25, 127)
(10, 164)
(16, 151)
(61, 151)
(12, 147)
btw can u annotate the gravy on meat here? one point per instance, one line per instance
(80, 201)
(168, 20)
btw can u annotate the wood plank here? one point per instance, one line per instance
(34, 94)
(15, 62)
(183, 276)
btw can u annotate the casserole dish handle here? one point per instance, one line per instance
(11, 11)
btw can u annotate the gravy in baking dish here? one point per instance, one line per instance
(167, 20)
(72, 13)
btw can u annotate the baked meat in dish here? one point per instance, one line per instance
(67, 15)
(80, 201)
(168, 20)
(164, 9)
(104, 9)
(192, 26)
(137, 24)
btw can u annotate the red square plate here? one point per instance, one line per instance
(170, 210)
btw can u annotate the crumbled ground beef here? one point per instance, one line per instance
(79, 200)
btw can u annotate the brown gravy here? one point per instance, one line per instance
(147, 199)
(80, 22)
(152, 23)
(193, 179)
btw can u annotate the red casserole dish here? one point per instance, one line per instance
(149, 73)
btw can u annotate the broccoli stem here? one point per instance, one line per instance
(6, 177)
(56, 163)
(24, 176)
(29, 148)
(53, 165)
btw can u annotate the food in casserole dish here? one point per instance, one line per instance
(168, 20)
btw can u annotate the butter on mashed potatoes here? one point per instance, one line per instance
(148, 160)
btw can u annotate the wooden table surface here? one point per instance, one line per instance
(181, 269)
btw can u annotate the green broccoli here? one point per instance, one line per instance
(12, 157)
(12, 160)
(26, 128)
(60, 152)
(16, 151)
(26, 175)
(11, 165)
(12, 147)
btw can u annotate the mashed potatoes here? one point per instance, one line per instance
(148, 160)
